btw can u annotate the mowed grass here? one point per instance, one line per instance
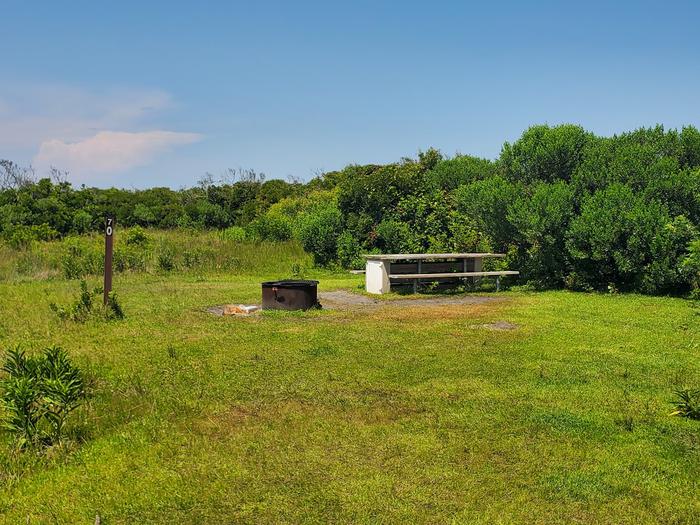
(387, 415)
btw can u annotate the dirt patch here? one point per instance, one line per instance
(344, 300)
(498, 326)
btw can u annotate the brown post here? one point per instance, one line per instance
(109, 241)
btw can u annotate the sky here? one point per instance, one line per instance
(149, 93)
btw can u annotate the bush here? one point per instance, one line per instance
(487, 202)
(39, 394)
(271, 227)
(132, 257)
(20, 237)
(80, 258)
(375, 189)
(349, 251)
(319, 232)
(610, 242)
(192, 258)
(234, 234)
(691, 268)
(113, 308)
(78, 311)
(136, 236)
(542, 219)
(394, 236)
(545, 154)
(463, 169)
(82, 222)
(667, 273)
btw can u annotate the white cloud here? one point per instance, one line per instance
(109, 151)
(85, 132)
(33, 114)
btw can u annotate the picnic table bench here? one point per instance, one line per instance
(382, 269)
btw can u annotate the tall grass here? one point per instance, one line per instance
(163, 251)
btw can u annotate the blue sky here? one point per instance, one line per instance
(137, 94)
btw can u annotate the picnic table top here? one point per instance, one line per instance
(422, 256)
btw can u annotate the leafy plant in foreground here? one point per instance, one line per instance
(38, 395)
(687, 403)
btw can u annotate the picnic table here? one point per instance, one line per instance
(382, 269)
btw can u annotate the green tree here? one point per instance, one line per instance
(545, 153)
(610, 242)
(541, 218)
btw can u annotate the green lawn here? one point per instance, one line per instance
(392, 415)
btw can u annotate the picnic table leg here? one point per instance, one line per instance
(478, 267)
(377, 276)
(498, 283)
(415, 281)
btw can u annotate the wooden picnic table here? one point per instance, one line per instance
(418, 267)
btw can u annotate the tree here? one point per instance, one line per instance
(610, 242)
(449, 174)
(545, 153)
(541, 218)
(487, 203)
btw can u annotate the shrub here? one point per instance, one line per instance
(79, 310)
(449, 174)
(349, 251)
(542, 219)
(271, 227)
(375, 189)
(319, 232)
(234, 233)
(80, 258)
(39, 394)
(82, 222)
(192, 258)
(394, 236)
(691, 268)
(610, 241)
(545, 153)
(667, 273)
(487, 202)
(21, 236)
(131, 257)
(464, 236)
(114, 308)
(136, 236)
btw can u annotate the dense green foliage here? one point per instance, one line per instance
(568, 207)
(38, 393)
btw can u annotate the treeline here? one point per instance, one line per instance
(571, 209)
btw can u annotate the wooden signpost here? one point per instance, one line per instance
(109, 252)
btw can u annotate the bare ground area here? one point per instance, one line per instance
(343, 300)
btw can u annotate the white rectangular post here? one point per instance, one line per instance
(377, 276)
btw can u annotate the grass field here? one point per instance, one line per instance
(393, 415)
